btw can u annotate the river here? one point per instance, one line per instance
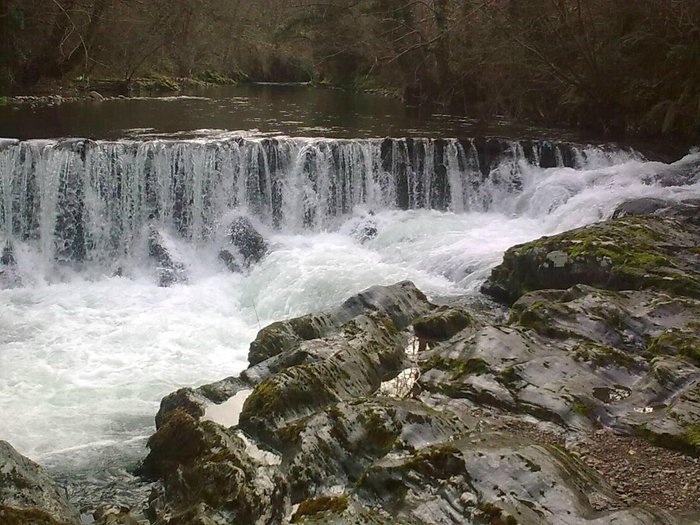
(89, 343)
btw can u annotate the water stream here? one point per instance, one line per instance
(90, 343)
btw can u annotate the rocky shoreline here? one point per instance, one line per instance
(582, 407)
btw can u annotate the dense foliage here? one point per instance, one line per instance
(611, 65)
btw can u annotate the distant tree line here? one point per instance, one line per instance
(630, 66)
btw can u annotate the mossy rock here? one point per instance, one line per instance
(456, 367)
(366, 352)
(677, 341)
(630, 253)
(687, 441)
(12, 516)
(281, 336)
(331, 504)
(443, 323)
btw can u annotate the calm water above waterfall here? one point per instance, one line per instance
(89, 343)
(255, 110)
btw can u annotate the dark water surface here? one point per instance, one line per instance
(258, 109)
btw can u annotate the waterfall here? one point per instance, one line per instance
(80, 200)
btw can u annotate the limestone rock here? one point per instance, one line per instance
(9, 275)
(170, 271)
(247, 240)
(629, 253)
(443, 323)
(28, 494)
(369, 350)
(402, 303)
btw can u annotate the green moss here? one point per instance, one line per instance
(688, 442)
(213, 77)
(508, 376)
(629, 253)
(442, 324)
(456, 367)
(677, 342)
(4, 101)
(495, 515)
(379, 436)
(581, 408)
(12, 516)
(440, 461)
(692, 435)
(266, 398)
(541, 317)
(334, 504)
(602, 355)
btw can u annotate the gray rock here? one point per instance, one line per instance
(369, 350)
(28, 494)
(688, 210)
(402, 303)
(9, 274)
(629, 253)
(583, 357)
(247, 240)
(169, 270)
(230, 261)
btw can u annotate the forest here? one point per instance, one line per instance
(625, 67)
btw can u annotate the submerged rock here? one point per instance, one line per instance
(170, 271)
(28, 494)
(629, 253)
(230, 261)
(247, 240)
(9, 275)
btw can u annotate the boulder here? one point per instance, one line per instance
(688, 210)
(169, 270)
(443, 323)
(369, 349)
(208, 476)
(401, 303)
(28, 494)
(9, 275)
(629, 253)
(247, 240)
(582, 358)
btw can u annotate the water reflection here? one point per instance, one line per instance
(259, 109)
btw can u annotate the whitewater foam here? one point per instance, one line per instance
(85, 356)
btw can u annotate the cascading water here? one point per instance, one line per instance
(89, 344)
(79, 201)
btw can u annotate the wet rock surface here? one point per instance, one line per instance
(582, 406)
(28, 494)
(247, 241)
(9, 276)
(531, 420)
(629, 253)
(169, 270)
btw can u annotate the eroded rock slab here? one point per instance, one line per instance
(630, 253)
(28, 494)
